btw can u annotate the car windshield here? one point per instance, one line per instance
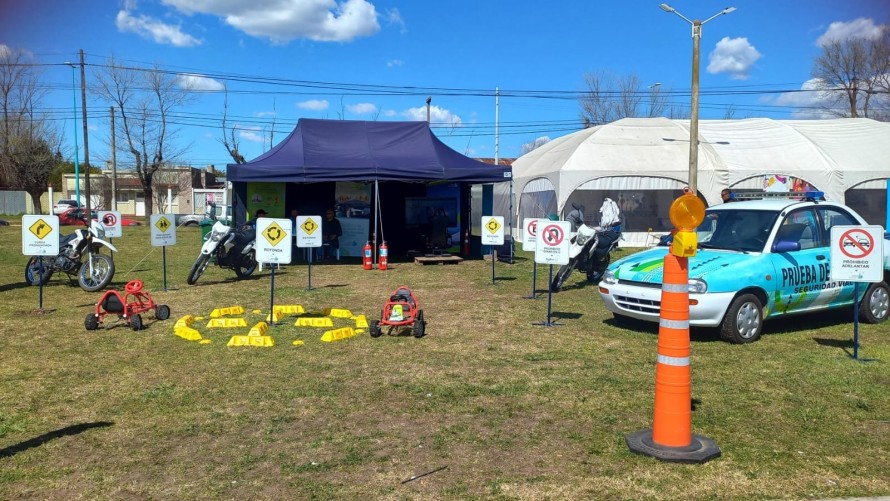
(736, 230)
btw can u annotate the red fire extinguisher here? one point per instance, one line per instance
(467, 243)
(366, 256)
(384, 256)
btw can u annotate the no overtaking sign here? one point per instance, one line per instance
(857, 254)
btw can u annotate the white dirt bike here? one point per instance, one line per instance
(79, 254)
(229, 249)
(587, 255)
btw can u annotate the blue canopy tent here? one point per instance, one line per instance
(320, 151)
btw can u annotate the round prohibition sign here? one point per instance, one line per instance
(553, 235)
(109, 220)
(856, 243)
(532, 227)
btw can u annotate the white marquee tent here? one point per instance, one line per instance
(643, 163)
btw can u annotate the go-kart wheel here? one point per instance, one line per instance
(419, 325)
(136, 322)
(375, 328)
(162, 312)
(91, 322)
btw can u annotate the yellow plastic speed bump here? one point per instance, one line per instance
(187, 333)
(199, 318)
(338, 334)
(226, 322)
(337, 313)
(258, 341)
(314, 322)
(360, 331)
(257, 311)
(204, 341)
(289, 309)
(273, 317)
(259, 329)
(185, 321)
(231, 310)
(361, 322)
(298, 342)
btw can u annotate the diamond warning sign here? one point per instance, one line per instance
(274, 233)
(163, 231)
(309, 226)
(40, 228)
(275, 246)
(493, 230)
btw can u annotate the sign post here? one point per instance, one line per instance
(40, 237)
(551, 247)
(163, 233)
(309, 235)
(857, 255)
(492, 234)
(273, 246)
(529, 232)
(111, 223)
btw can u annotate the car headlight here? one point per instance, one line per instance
(609, 278)
(697, 286)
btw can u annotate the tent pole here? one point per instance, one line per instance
(376, 211)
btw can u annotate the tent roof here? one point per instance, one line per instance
(832, 155)
(348, 150)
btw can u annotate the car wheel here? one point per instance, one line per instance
(191, 223)
(875, 304)
(743, 322)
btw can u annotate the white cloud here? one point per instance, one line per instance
(537, 143)
(251, 135)
(313, 104)
(438, 116)
(263, 114)
(858, 28)
(734, 56)
(197, 82)
(281, 21)
(153, 29)
(808, 102)
(390, 113)
(394, 62)
(361, 108)
(394, 18)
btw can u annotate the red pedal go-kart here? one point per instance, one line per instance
(402, 310)
(127, 307)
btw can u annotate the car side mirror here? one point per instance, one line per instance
(786, 246)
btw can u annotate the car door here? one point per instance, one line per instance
(836, 293)
(802, 263)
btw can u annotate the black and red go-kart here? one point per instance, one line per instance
(127, 307)
(402, 310)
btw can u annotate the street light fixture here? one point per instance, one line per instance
(76, 153)
(693, 122)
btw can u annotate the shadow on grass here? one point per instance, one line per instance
(844, 344)
(76, 429)
(566, 315)
(696, 334)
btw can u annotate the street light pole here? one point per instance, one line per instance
(693, 121)
(76, 153)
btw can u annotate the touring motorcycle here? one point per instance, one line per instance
(79, 254)
(228, 248)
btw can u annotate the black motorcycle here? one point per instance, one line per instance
(590, 251)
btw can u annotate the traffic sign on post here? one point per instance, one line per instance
(273, 242)
(111, 223)
(163, 231)
(857, 254)
(492, 230)
(309, 231)
(529, 232)
(552, 242)
(40, 235)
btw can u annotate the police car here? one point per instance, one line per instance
(756, 260)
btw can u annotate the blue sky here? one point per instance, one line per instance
(380, 59)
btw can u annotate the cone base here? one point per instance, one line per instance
(701, 450)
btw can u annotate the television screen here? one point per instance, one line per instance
(422, 211)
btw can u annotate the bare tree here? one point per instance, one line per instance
(609, 98)
(229, 137)
(169, 178)
(855, 74)
(146, 99)
(28, 142)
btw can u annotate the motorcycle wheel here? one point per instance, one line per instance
(32, 271)
(198, 268)
(103, 272)
(595, 276)
(247, 265)
(562, 274)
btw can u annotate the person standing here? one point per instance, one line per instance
(331, 231)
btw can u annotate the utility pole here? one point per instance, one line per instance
(428, 101)
(113, 163)
(86, 142)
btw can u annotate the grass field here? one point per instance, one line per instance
(499, 408)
